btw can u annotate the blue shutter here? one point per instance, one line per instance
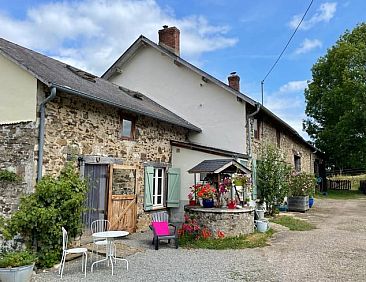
(148, 197)
(254, 179)
(173, 188)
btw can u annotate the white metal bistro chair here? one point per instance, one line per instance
(66, 251)
(99, 225)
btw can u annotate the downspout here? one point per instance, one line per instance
(41, 131)
(250, 128)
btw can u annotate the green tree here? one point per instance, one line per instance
(336, 101)
(272, 177)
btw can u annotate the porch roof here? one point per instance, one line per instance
(219, 166)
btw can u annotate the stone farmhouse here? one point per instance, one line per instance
(135, 132)
(229, 119)
(52, 112)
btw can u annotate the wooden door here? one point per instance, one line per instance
(122, 197)
(96, 177)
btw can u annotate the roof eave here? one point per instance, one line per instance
(70, 90)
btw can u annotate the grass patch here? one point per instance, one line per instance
(293, 224)
(342, 195)
(253, 240)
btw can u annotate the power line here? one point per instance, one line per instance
(284, 49)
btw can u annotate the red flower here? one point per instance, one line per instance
(220, 234)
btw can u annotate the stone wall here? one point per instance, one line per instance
(289, 145)
(76, 126)
(231, 222)
(17, 150)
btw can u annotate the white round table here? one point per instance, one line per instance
(110, 250)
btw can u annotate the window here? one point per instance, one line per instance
(158, 187)
(162, 187)
(297, 161)
(278, 138)
(256, 127)
(127, 128)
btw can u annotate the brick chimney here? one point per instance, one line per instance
(169, 39)
(234, 81)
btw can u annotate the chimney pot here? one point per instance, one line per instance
(234, 81)
(169, 39)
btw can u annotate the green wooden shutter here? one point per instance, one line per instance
(148, 197)
(173, 188)
(254, 179)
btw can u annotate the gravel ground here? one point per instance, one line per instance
(335, 251)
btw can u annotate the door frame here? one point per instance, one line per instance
(131, 197)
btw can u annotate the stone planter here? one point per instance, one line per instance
(298, 203)
(232, 223)
(16, 274)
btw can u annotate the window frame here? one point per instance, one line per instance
(132, 135)
(297, 163)
(256, 128)
(278, 138)
(162, 193)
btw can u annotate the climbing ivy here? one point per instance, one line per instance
(56, 202)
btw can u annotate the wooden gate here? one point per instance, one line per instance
(122, 197)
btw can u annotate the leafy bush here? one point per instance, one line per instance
(272, 177)
(56, 202)
(302, 184)
(9, 176)
(14, 259)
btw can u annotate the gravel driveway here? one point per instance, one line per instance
(335, 251)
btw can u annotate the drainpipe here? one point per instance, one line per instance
(41, 131)
(250, 125)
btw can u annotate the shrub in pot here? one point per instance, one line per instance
(16, 266)
(301, 186)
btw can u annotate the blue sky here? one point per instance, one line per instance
(218, 36)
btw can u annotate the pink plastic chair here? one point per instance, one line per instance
(162, 229)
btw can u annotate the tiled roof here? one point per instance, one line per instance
(217, 166)
(55, 73)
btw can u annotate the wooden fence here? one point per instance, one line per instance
(363, 186)
(339, 184)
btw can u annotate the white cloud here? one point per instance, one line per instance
(307, 45)
(288, 103)
(293, 86)
(92, 34)
(324, 13)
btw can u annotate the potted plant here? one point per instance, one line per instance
(207, 193)
(240, 179)
(192, 201)
(301, 185)
(224, 189)
(16, 266)
(231, 204)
